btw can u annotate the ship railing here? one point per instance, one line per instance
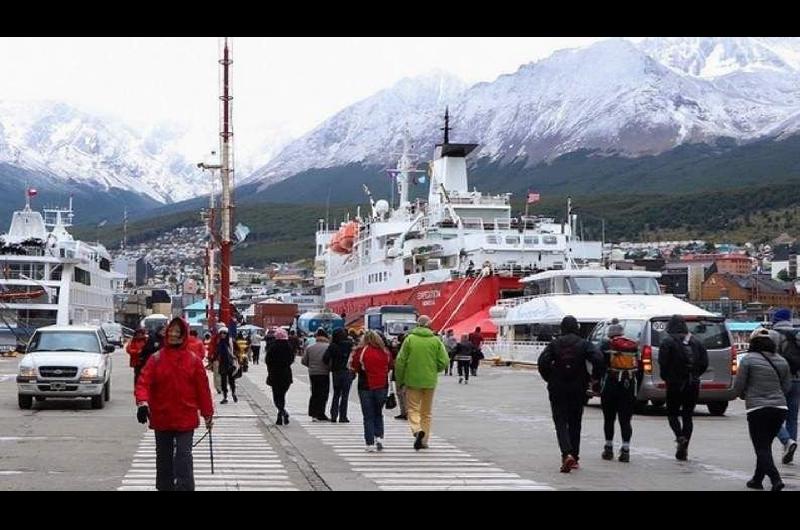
(520, 351)
(519, 300)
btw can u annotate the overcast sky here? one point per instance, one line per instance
(282, 83)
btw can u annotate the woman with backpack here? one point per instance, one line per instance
(762, 380)
(464, 353)
(372, 362)
(618, 390)
(279, 358)
(336, 357)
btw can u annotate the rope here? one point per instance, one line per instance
(451, 298)
(458, 307)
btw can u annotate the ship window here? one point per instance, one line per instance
(82, 276)
(512, 240)
(617, 286)
(492, 240)
(531, 240)
(586, 286)
(549, 240)
(645, 286)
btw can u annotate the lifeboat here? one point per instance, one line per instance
(10, 296)
(336, 244)
(348, 233)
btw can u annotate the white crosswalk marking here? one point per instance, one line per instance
(399, 467)
(243, 459)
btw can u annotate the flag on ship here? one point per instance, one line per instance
(32, 192)
(533, 197)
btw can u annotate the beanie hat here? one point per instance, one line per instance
(615, 329)
(781, 314)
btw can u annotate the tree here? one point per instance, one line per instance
(783, 275)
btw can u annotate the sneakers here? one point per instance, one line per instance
(460, 380)
(370, 448)
(778, 486)
(624, 455)
(466, 382)
(401, 417)
(224, 400)
(379, 443)
(753, 485)
(788, 451)
(418, 440)
(608, 452)
(568, 464)
(682, 451)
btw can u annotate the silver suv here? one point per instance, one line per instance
(66, 362)
(716, 385)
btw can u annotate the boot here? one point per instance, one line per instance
(279, 420)
(682, 451)
(235, 399)
(624, 455)
(285, 417)
(224, 399)
(608, 452)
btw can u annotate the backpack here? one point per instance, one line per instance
(568, 362)
(623, 355)
(791, 350)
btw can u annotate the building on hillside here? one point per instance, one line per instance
(751, 289)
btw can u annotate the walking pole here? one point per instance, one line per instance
(211, 449)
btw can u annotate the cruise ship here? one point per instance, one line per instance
(452, 257)
(47, 277)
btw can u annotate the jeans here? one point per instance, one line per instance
(681, 400)
(279, 397)
(464, 369)
(372, 402)
(341, 389)
(320, 388)
(227, 379)
(617, 400)
(174, 466)
(567, 409)
(763, 425)
(789, 429)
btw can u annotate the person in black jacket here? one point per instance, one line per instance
(279, 358)
(336, 357)
(563, 365)
(682, 359)
(154, 343)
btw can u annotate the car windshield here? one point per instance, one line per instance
(85, 341)
(713, 335)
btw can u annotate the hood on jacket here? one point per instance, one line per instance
(421, 331)
(782, 314)
(570, 325)
(677, 326)
(184, 332)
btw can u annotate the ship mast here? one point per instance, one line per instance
(226, 172)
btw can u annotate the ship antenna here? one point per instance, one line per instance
(446, 127)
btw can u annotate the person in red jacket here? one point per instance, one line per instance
(172, 388)
(134, 348)
(372, 361)
(196, 346)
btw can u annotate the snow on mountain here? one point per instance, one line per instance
(365, 131)
(615, 96)
(72, 145)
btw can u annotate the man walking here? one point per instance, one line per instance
(172, 389)
(789, 348)
(563, 365)
(682, 360)
(450, 343)
(476, 338)
(422, 356)
(319, 374)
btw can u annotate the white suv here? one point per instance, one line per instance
(66, 362)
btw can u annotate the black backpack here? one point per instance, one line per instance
(791, 350)
(568, 362)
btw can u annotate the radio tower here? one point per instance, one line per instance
(226, 172)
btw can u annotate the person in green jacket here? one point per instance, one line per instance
(417, 368)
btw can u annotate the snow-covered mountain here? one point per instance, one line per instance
(616, 96)
(96, 151)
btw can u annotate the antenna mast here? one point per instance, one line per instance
(226, 172)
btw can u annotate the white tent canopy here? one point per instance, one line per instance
(595, 308)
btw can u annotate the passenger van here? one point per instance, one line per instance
(716, 384)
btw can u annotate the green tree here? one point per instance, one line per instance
(784, 275)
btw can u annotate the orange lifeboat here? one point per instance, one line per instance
(336, 243)
(348, 232)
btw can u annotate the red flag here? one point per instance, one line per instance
(32, 192)
(533, 197)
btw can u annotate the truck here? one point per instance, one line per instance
(391, 320)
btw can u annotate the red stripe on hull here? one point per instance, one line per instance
(437, 300)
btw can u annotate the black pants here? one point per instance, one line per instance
(174, 465)
(764, 425)
(476, 362)
(464, 369)
(279, 397)
(450, 371)
(320, 388)
(256, 354)
(227, 379)
(342, 380)
(567, 408)
(681, 400)
(136, 372)
(617, 400)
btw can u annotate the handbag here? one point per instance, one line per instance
(391, 400)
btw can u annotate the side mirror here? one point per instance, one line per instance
(108, 349)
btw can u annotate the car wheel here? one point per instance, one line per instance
(25, 402)
(657, 403)
(717, 408)
(97, 402)
(107, 391)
